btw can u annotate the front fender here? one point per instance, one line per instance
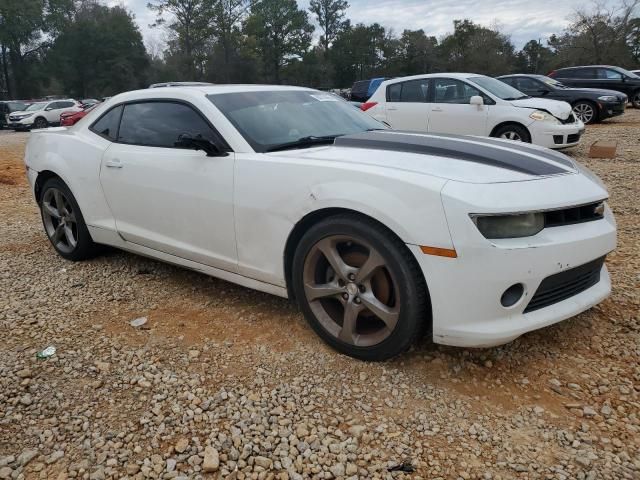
(271, 197)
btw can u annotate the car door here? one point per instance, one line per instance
(611, 79)
(534, 88)
(406, 105)
(450, 110)
(174, 200)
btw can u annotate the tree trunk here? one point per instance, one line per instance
(5, 72)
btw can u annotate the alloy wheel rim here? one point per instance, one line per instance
(351, 290)
(40, 123)
(511, 135)
(59, 220)
(584, 112)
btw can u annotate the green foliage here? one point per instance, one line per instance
(330, 16)
(99, 53)
(281, 32)
(82, 47)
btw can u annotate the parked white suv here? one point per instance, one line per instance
(42, 114)
(470, 104)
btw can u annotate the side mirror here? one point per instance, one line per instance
(543, 91)
(199, 143)
(476, 100)
(48, 109)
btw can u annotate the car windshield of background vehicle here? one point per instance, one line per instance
(268, 119)
(498, 88)
(552, 82)
(35, 106)
(627, 73)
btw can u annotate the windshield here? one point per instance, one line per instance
(36, 106)
(626, 72)
(551, 81)
(498, 88)
(268, 119)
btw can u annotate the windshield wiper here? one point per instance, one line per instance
(303, 142)
(516, 98)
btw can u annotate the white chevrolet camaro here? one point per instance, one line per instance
(380, 236)
(471, 104)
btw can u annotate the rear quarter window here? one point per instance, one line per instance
(107, 125)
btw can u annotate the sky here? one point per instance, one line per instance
(522, 20)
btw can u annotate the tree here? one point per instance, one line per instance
(225, 24)
(598, 35)
(535, 58)
(190, 26)
(99, 53)
(281, 32)
(474, 48)
(330, 15)
(415, 53)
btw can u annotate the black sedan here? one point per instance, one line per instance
(589, 104)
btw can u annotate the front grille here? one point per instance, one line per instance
(574, 137)
(557, 139)
(563, 285)
(573, 215)
(570, 119)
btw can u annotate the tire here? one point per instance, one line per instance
(395, 289)
(585, 111)
(40, 122)
(635, 99)
(513, 131)
(65, 227)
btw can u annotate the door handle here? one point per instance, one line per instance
(115, 163)
(436, 109)
(392, 109)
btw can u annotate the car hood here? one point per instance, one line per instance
(595, 91)
(452, 157)
(558, 109)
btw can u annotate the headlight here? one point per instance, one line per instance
(20, 117)
(607, 98)
(543, 117)
(509, 226)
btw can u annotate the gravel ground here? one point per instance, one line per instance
(225, 382)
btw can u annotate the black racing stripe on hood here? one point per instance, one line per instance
(523, 147)
(447, 146)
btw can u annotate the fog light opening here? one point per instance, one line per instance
(512, 295)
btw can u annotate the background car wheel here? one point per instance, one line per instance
(360, 288)
(40, 123)
(635, 99)
(513, 132)
(63, 222)
(585, 112)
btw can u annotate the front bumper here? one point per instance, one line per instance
(551, 135)
(20, 124)
(610, 109)
(466, 291)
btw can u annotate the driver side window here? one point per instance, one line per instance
(448, 90)
(160, 124)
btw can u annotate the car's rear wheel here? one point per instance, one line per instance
(635, 99)
(585, 112)
(514, 132)
(63, 222)
(40, 122)
(359, 287)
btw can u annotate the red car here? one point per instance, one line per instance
(71, 118)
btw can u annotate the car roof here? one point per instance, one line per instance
(204, 89)
(589, 66)
(457, 75)
(535, 75)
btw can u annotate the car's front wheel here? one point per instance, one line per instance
(63, 222)
(514, 132)
(635, 99)
(585, 112)
(40, 122)
(360, 288)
